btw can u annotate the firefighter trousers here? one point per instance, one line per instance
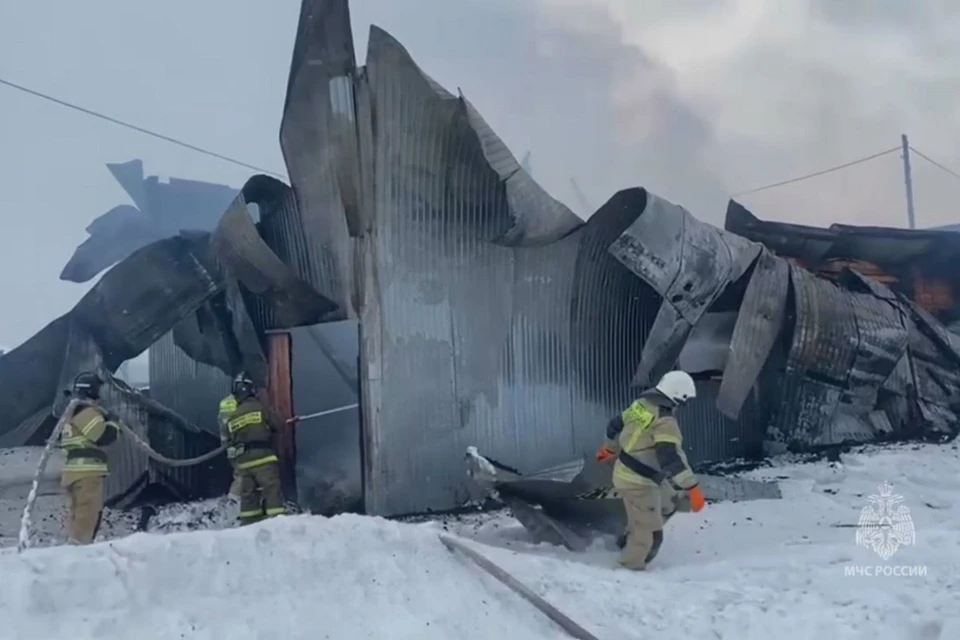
(261, 495)
(84, 508)
(647, 508)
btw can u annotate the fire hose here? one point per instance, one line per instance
(25, 520)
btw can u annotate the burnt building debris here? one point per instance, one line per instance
(160, 209)
(848, 358)
(192, 284)
(489, 314)
(919, 264)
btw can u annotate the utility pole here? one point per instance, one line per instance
(908, 181)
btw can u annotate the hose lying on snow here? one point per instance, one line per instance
(573, 629)
(25, 520)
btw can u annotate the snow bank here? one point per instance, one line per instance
(297, 577)
(787, 568)
(753, 570)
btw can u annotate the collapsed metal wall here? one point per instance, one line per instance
(521, 351)
(491, 315)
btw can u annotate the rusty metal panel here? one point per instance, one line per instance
(280, 396)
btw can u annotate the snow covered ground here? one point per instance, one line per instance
(787, 568)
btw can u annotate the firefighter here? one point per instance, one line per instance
(651, 472)
(86, 431)
(227, 406)
(247, 431)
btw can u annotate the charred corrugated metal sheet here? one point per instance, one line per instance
(689, 264)
(32, 370)
(281, 227)
(163, 209)
(823, 346)
(758, 326)
(852, 368)
(194, 388)
(248, 259)
(315, 114)
(537, 218)
(116, 320)
(709, 436)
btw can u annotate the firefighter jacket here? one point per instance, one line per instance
(247, 431)
(649, 435)
(227, 406)
(85, 433)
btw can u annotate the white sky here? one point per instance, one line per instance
(694, 99)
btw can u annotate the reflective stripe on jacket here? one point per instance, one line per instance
(247, 430)
(82, 438)
(654, 440)
(227, 407)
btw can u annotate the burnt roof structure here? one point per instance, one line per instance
(161, 209)
(884, 246)
(852, 359)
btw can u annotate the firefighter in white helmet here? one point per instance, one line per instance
(651, 472)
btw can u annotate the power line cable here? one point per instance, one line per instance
(818, 173)
(936, 164)
(160, 136)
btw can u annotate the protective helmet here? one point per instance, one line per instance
(87, 385)
(243, 386)
(677, 386)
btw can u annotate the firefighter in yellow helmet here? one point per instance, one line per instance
(247, 431)
(88, 430)
(651, 472)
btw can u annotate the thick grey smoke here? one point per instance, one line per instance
(588, 106)
(704, 98)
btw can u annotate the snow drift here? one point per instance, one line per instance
(737, 571)
(299, 577)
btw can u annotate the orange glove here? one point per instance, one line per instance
(697, 501)
(605, 454)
